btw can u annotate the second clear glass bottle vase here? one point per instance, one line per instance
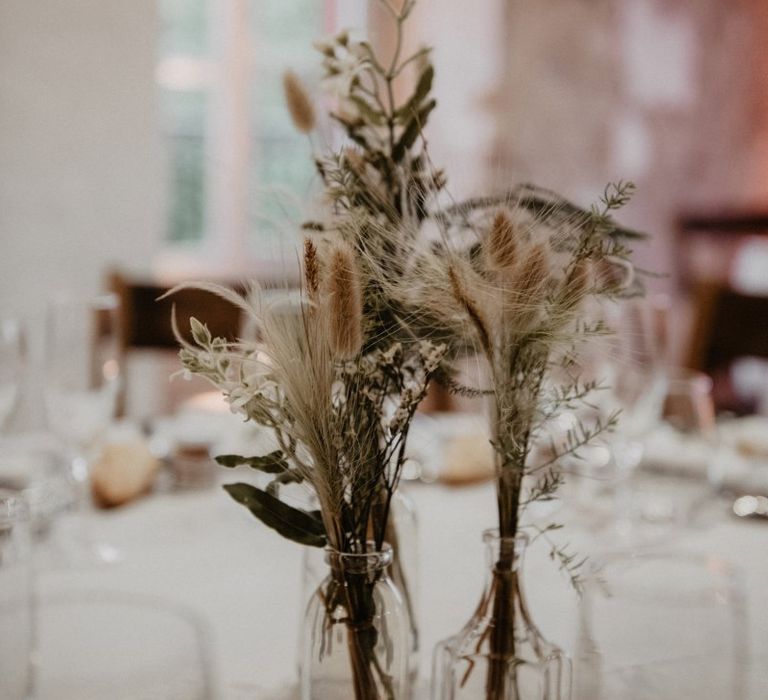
(500, 653)
(356, 636)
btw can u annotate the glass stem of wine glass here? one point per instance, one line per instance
(83, 541)
(627, 455)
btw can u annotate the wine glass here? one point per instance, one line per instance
(684, 451)
(82, 382)
(689, 406)
(637, 380)
(12, 360)
(16, 607)
(628, 366)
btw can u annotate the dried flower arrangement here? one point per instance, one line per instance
(335, 379)
(520, 299)
(340, 415)
(385, 308)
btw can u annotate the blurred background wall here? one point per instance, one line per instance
(568, 93)
(571, 94)
(151, 135)
(81, 154)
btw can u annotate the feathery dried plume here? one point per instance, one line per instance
(329, 402)
(345, 306)
(533, 271)
(311, 269)
(462, 295)
(501, 249)
(299, 104)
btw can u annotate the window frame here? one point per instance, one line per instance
(224, 250)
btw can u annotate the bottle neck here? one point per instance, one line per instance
(369, 562)
(503, 600)
(504, 554)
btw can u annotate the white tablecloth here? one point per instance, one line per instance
(204, 551)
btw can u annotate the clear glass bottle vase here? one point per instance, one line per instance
(500, 653)
(402, 535)
(356, 634)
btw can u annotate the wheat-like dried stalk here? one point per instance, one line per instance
(500, 245)
(464, 297)
(533, 272)
(311, 270)
(299, 103)
(345, 312)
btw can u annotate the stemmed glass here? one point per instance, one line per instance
(685, 450)
(628, 365)
(638, 386)
(16, 607)
(82, 382)
(12, 358)
(638, 381)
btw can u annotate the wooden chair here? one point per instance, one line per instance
(728, 325)
(146, 320)
(720, 233)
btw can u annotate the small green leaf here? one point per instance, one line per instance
(200, 332)
(273, 463)
(292, 476)
(352, 131)
(368, 112)
(423, 86)
(412, 130)
(292, 523)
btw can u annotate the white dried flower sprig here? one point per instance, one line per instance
(344, 62)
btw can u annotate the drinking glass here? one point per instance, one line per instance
(12, 359)
(628, 366)
(682, 456)
(82, 369)
(689, 412)
(121, 647)
(636, 382)
(16, 621)
(31, 467)
(688, 406)
(82, 382)
(664, 626)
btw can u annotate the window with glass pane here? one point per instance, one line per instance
(282, 170)
(183, 74)
(280, 35)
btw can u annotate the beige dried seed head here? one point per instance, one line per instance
(299, 103)
(345, 304)
(311, 269)
(614, 274)
(471, 308)
(501, 247)
(355, 161)
(533, 270)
